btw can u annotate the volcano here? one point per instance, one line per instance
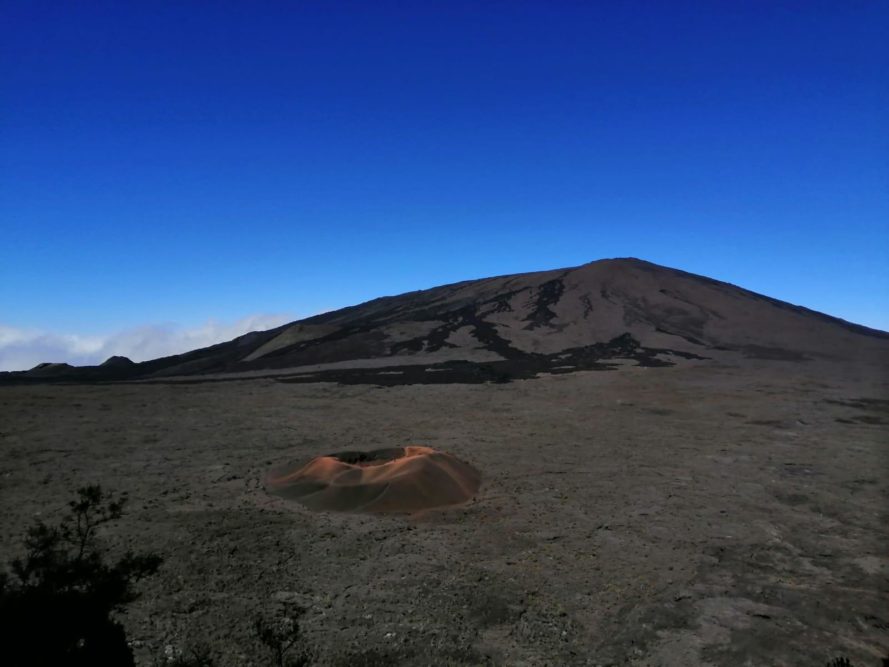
(519, 326)
(396, 480)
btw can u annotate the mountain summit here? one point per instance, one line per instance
(521, 325)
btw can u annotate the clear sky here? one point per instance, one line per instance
(172, 167)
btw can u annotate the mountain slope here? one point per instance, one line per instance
(520, 325)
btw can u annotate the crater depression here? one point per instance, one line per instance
(398, 480)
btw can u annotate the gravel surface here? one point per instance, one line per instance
(709, 513)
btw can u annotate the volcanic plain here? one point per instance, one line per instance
(703, 503)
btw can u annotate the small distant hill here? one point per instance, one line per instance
(49, 367)
(117, 362)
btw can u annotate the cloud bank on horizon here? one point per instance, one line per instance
(21, 349)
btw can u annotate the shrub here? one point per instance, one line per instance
(282, 637)
(56, 602)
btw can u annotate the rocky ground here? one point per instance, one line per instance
(727, 513)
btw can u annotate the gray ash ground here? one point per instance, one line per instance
(719, 512)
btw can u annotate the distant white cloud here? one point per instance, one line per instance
(21, 349)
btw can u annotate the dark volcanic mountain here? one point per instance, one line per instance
(521, 325)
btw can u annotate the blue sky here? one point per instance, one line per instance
(174, 164)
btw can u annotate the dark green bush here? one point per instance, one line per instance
(57, 601)
(282, 637)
